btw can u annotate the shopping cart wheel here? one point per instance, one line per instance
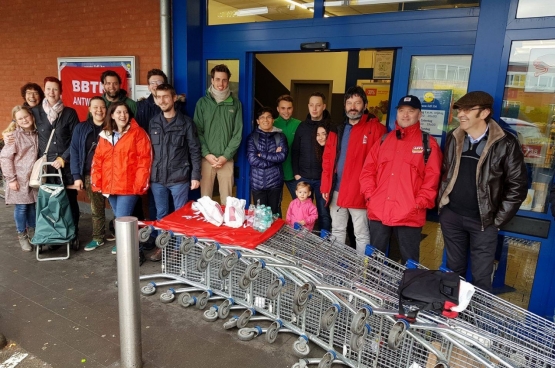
(186, 246)
(272, 332)
(224, 308)
(244, 282)
(163, 240)
(202, 265)
(329, 317)
(396, 334)
(300, 364)
(357, 342)
(247, 334)
(167, 297)
(186, 300)
(210, 315)
(222, 272)
(359, 320)
(301, 348)
(148, 289)
(230, 323)
(144, 234)
(202, 300)
(302, 294)
(230, 261)
(327, 360)
(298, 309)
(244, 318)
(274, 289)
(442, 365)
(209, 252)
(253, 270)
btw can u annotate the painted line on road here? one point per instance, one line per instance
(14, 360)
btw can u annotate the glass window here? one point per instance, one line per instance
(357, 7)
(535, 8)
(529, 109)
(233, 66)
(233, 11)
(439, 80)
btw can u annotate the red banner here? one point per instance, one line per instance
(80, 84)
(185, 221)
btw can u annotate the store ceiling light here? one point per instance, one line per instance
(251, 11)
(302, 5)
(335, 3)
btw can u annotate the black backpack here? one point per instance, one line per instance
(425, 144)
(427, 290)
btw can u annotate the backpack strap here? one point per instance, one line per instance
(277, 137)
(426, 145)
(255, 137)
(383, 138)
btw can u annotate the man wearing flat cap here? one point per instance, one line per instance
(483, 184)
(399, 181)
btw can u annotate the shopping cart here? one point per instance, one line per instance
(322, 291)
(54, 224)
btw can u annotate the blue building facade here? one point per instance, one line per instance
(486, 32)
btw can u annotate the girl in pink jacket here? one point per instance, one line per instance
(301, 209)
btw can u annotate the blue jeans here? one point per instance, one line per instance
(179, 192)
(292, 187)
(25, 216)
(122, 205)
(324, 217)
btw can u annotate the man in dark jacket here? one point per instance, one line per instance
(147, 108)
(305, 157)
(483, 184)
(343, 159)
(177, 159)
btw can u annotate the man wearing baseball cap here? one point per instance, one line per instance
(483, 183)
(399, 181)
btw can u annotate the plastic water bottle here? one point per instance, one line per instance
(250, 215)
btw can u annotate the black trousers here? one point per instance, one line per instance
(462, 235)
(269, 197)
(407, 237)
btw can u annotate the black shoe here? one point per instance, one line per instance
(150, 244)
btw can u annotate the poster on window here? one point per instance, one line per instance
(79, 85)
(436, 106)
(383, 66)
(540, 75)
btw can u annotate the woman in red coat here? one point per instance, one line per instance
(121, 164)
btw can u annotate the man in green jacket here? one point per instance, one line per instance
(288, 125)
(111, 82)
(219, 120)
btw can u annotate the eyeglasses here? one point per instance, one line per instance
(466, 111)
(155, 83)
(26, 117)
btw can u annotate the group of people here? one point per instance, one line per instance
(385, 182)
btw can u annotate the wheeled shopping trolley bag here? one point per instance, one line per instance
(55, 226)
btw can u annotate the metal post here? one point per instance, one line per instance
(127, 242)
(166, 38)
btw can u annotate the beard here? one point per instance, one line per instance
(354, 114)
(112, 94)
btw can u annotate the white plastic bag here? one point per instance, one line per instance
(211, 210)
(234, 215)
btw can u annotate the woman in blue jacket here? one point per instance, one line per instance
(266, 150)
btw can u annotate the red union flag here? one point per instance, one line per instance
(80, 84)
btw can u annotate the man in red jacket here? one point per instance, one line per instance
(398, 184)
(342, 162)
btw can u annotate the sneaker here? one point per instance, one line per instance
(114, 250)
(93, 245)
(110, 237)
(156, 256)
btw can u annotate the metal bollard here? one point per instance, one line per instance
(127, 243)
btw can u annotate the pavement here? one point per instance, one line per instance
(64, 314)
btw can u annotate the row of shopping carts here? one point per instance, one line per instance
(347, 304)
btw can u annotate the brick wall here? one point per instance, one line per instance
(35, 33)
